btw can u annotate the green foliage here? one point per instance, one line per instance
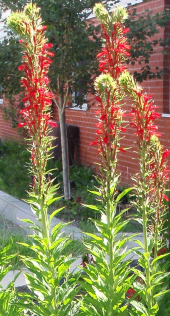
(14, 178)
(143, 27)
(82, 183)
(9, 304)
(74, 61)
(150, 189)
(107, 280)
(16, 250)
(48, 274)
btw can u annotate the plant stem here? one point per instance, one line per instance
(145, 226)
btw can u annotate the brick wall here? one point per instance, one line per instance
(86, 120)
(6, 130)
(128, 163)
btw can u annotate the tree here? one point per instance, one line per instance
(75, 44)
(142, 28)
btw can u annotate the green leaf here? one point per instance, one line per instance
(122, 194)
(95, 192)
(140, 307)
(92, 207)
(52, 200)
(100, 295)
(161, 293)
(58, 241)
(98, 238)
(55, 212)
(158, 277)
(159, 258)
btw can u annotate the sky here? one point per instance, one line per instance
(123, 3)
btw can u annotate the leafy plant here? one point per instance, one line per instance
(107, 280)
(9, 304)
(109, 285)
(150, 186)
(48, 273)
(14, 178)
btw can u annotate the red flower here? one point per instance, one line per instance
(109, 113)
(103, 117)
(105, 139)
(44, 27)
(21, 125)
(122, 150)
(98, 99)
(49, 45)
(165, 197)
(94, 143)
(165, 154)
(130, 292)
(21, 67)
(52, 123)
(125, 30)
(50, 54)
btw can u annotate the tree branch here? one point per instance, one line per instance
(66, 96)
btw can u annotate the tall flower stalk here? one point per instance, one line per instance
(107, 280)
(37, 101)
(48, 272)
(150, 187)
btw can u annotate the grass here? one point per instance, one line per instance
(14, 237)
(14, 178)
(75, 247)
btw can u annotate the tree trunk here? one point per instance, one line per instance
(65, 156)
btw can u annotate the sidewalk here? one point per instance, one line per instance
(13, 210)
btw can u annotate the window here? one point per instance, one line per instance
(1, 98)
(78, 98)
(78, 94)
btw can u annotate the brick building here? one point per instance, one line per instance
(85, 118)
